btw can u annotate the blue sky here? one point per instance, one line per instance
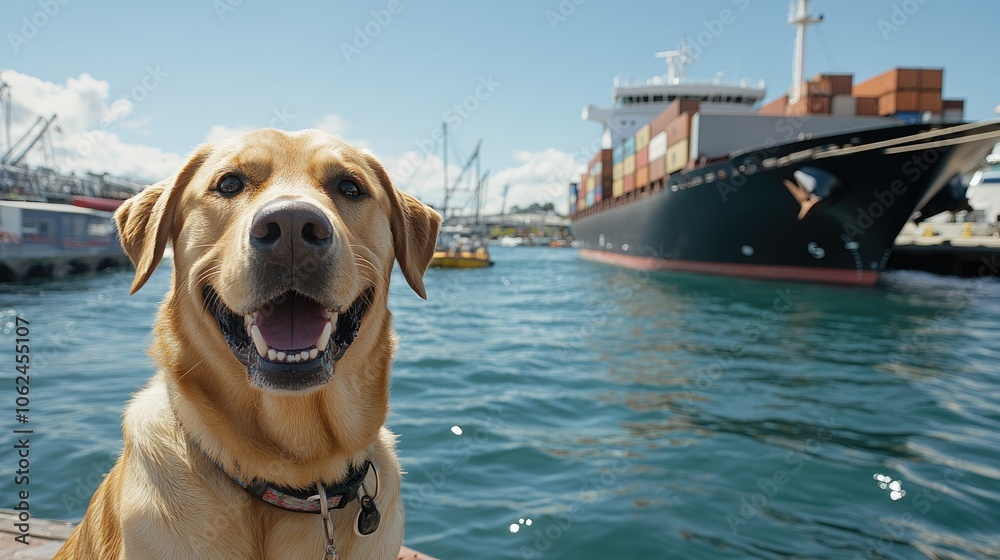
(515, 74)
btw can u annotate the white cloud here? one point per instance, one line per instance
(334, 124)
(221, 132)
(540, 177)
(83, 138)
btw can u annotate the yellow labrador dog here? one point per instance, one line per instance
(261, 436)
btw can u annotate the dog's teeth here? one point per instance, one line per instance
(247, 320)
(324, 337)
(304, 355)
(272, 354)
(258, 341)
(313, 353)
(281, 356)
(327, 314)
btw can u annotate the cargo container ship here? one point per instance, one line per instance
(813, 186)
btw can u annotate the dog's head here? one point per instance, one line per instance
(283, 246)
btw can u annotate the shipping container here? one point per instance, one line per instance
(776, 107)
(810, 105)
(619, 154)
(677, 156)
(583, 184)
(641, 158)
(618, 187)
(900, 79)
(642, 138)
(591, 184)
(597, 194)
(630, 146)
(930, 101)
(590, 199)
(900, 101)
(866, 106)
(678, 129)
(843, 105)
(953, 110)
(931, 79)
(675, 109)
(629, 183)
(657, 168)
(607, 190)
(657, 146)
(642, 176)
(630, 165)
(618, 171)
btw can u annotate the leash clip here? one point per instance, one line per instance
(330, 551)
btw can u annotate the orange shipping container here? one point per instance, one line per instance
(678, 129)
(930, 101)
(777, 107)
(867, 106)
(931, 79)
(641, 158)
(898, 102)
(642, 176)
(899, 79)
(657, 169)
(675, 109)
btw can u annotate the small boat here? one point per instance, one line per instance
(458, 247)
(478, 258)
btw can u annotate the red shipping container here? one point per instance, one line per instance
(678, 129)
(641, 158)
(630, 183)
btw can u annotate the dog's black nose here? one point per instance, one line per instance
(288, 230)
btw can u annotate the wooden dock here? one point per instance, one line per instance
(48, 536)
(969, 250)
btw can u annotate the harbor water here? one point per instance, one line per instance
(549, 407)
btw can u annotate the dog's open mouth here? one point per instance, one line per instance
(292, 342)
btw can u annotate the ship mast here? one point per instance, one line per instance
(798, 15)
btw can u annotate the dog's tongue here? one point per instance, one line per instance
(294, 324)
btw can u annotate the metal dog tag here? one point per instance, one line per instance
(368, 517)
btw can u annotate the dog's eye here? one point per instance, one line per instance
(349, 189)
(230, 185)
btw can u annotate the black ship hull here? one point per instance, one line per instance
(824, 209)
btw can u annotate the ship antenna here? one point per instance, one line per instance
(798, 15)
(676, 61)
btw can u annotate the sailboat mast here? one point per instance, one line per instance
(479, 188)
(444, 149)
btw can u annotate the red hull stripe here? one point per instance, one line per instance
(769, 272)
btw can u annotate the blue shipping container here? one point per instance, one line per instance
(619, 154)
(590, 198)
(630, 146)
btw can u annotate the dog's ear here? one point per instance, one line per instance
(414, 230)
(146, 221)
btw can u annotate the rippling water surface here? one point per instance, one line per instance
(606, 413)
